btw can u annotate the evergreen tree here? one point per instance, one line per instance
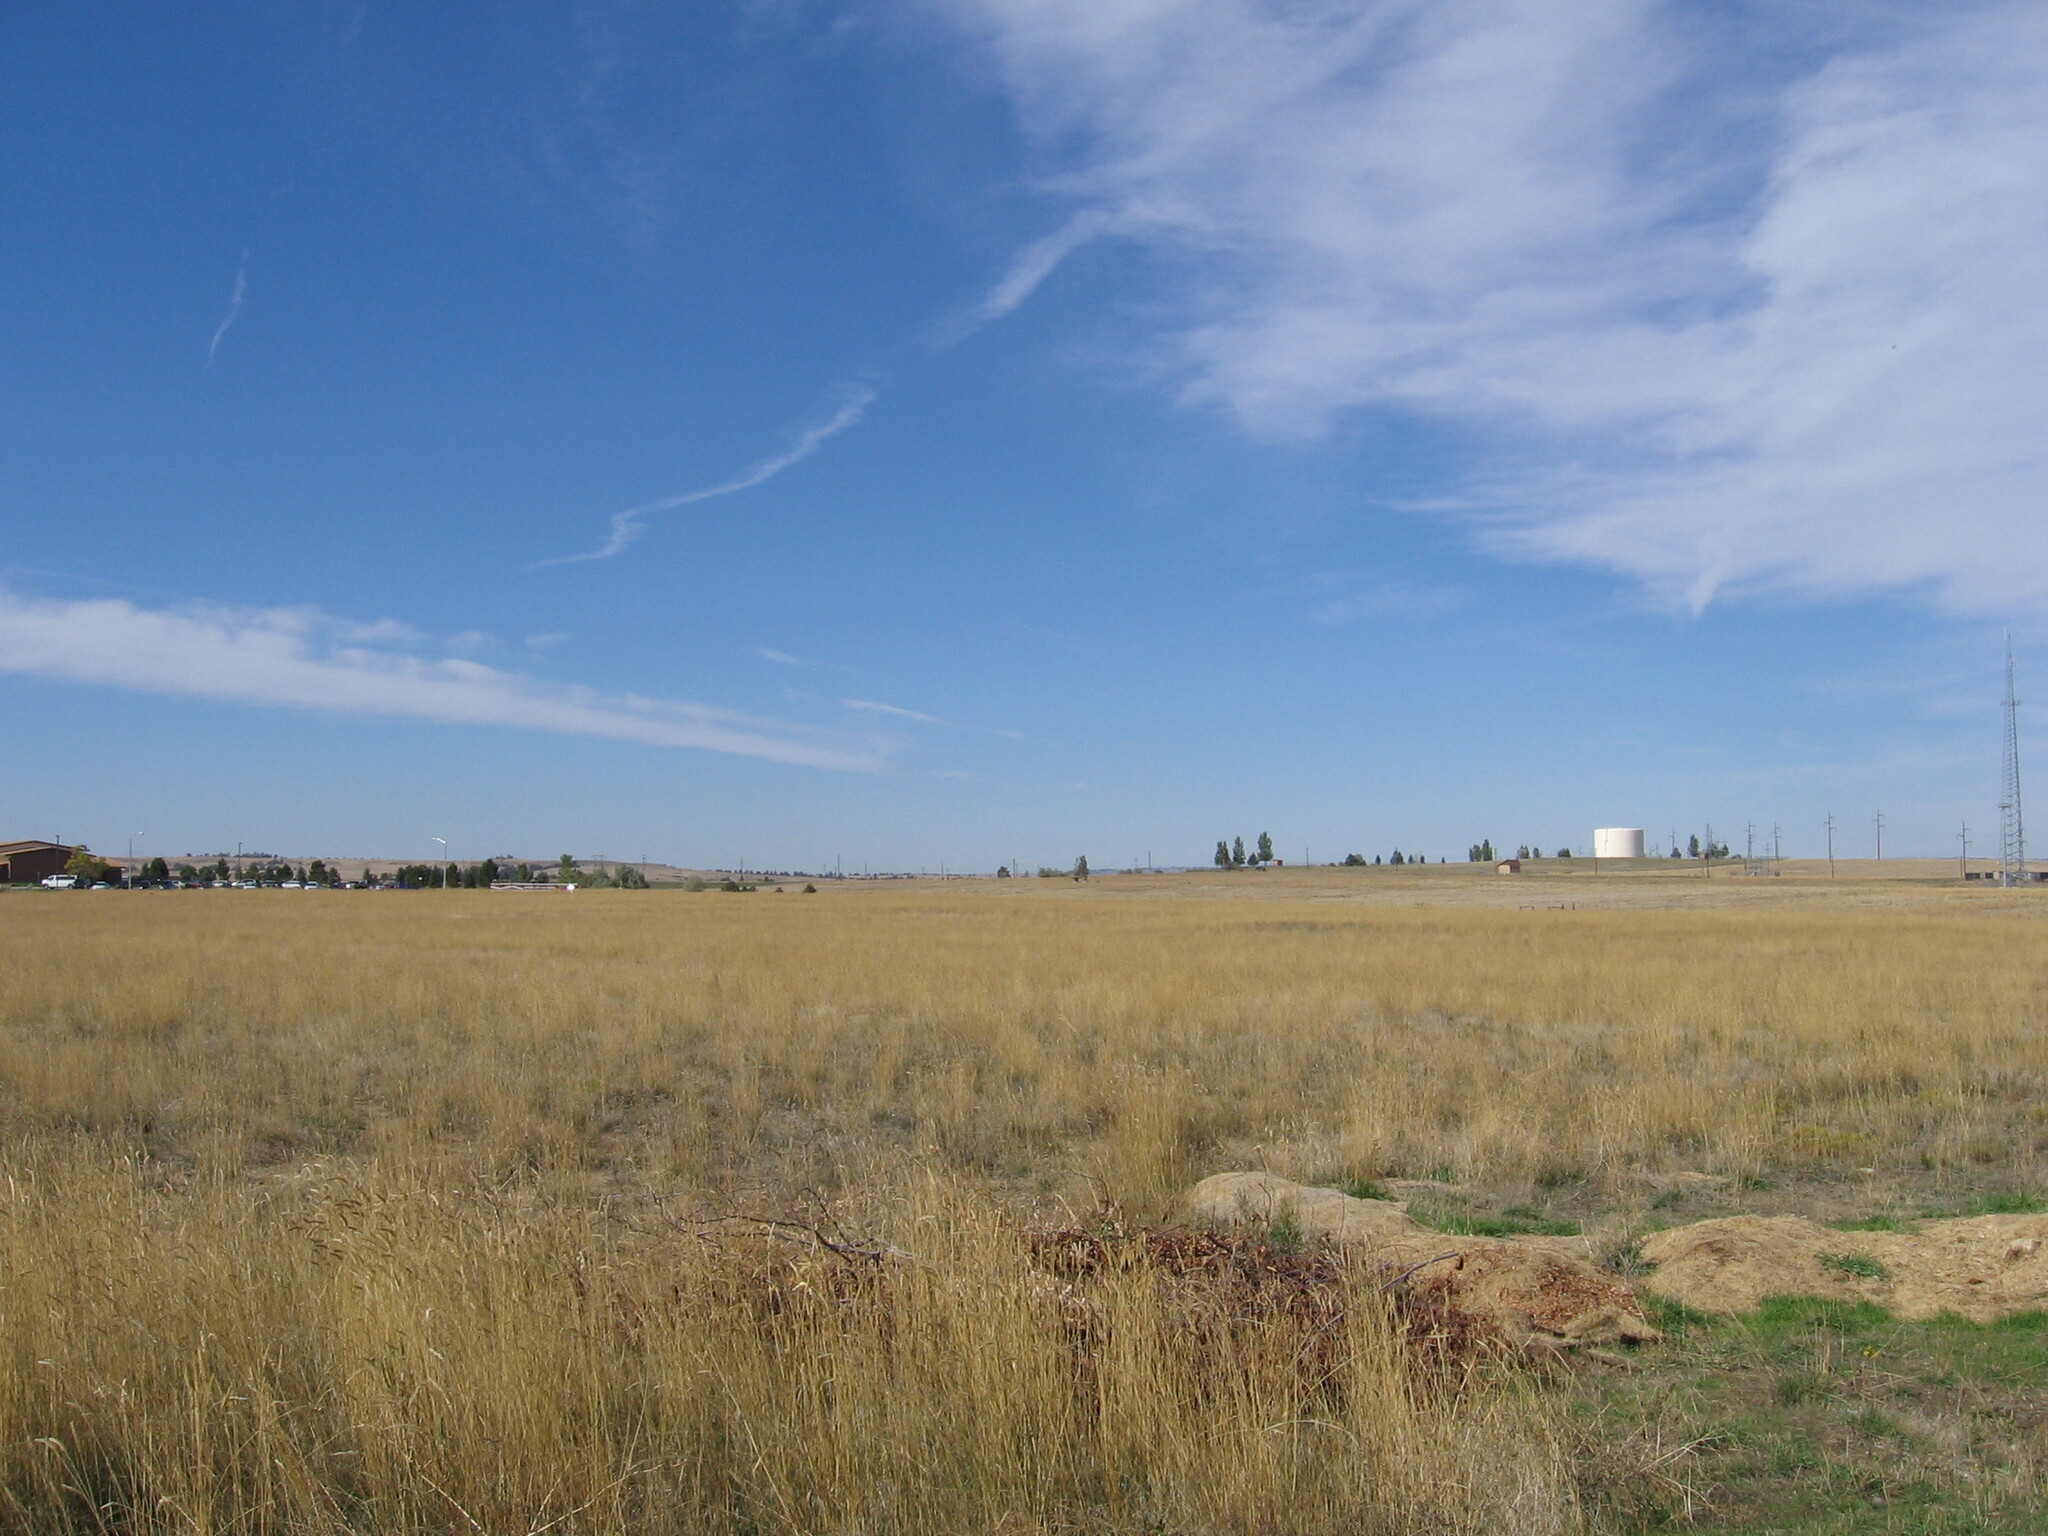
(1692, 846)
(1265, 848)
(1222, 855)
(1237, 853)
(1081, 867)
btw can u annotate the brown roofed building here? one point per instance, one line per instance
(26, 863)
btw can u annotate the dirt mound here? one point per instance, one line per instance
(1533, 1293)
(1982, 1267)
(1546, 1290)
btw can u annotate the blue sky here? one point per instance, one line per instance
(900, 432)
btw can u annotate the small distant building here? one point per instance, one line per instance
(26, 863)
(1508, 867)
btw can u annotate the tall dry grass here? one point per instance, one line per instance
(1039, 1040)
(381, 1213)
(418, 1348)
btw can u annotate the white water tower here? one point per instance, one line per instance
(1617, 842)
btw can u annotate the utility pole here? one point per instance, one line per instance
(2012, 833)
(444, 859)
(1777, 844)
(1831, 845)
(1963, 863)
(1880, 837)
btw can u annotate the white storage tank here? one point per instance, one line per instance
(1617, 842)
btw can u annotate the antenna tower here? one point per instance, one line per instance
(2012, 833)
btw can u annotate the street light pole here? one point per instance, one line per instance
(444, 859)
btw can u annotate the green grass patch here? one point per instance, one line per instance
(1876, 1224)
(1779, 1313)
(1820, 1417)
(1854, 1266)
(1515, 1221)
(2011, 1202)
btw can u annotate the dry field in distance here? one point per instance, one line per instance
(380, 1212)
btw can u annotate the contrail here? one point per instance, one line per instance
(628, 525)
(1027, 270)
(234, 309)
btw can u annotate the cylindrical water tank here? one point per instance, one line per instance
(1617, 842)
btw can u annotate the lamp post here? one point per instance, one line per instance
(444, 859)
(128, 871)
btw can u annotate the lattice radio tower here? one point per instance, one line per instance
(2012, 832)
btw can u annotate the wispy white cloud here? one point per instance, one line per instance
(871, 707)
(304, 659)
(1722, 300)
(628, 526)
(780, 658)
(1389, 600)
(897, 711)
(234, 312)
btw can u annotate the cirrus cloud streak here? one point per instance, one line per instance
(303, 659)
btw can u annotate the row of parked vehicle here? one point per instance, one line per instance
(77, 883)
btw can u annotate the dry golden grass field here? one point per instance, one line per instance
(381, 1212)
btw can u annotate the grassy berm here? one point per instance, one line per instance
(855, 1212)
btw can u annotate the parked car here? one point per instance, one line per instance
(59, 882)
